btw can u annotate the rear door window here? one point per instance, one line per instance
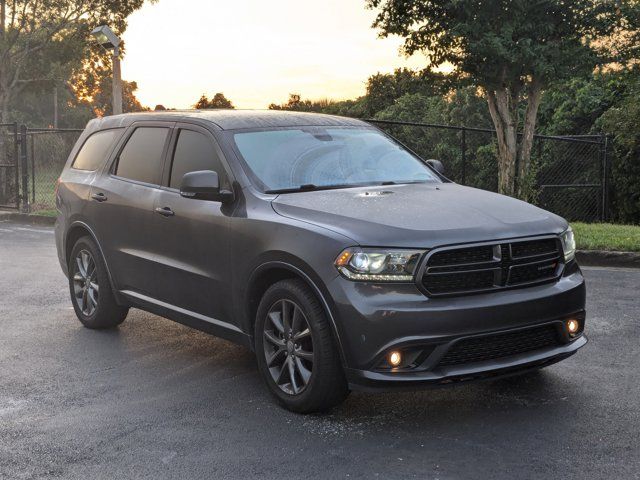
(95, 149)
(194, 151)
(141, 157)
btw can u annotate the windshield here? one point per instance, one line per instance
(288, 159)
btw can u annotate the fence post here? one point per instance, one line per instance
(16, 154)
(24, 169)
(33, 170)
(605, 177)
(463, 148)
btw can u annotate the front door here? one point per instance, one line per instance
(192, 245)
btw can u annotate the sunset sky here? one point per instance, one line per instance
(255, 51)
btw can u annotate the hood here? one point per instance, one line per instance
(418, 215)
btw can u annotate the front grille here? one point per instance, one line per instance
(533, 248)
(500, 345)
(463, 256)
(481, 268)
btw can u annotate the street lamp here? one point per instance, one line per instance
(110, 41)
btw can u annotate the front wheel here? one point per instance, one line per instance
(295, 349)
(90, 289)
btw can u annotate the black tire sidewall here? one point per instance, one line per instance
(316, 318)
(107, 314)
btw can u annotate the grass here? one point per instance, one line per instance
(607, 236)
(46, 213)
(45, 183)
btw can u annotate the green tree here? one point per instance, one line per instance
(295, 103)
(348, 108)
(513, 50)
(42, 42)
(604, 102)
(383, 89)
(574, 106)
(102, 104)
(36, 108)
(218, 101)
(461, 107)
(623, 120)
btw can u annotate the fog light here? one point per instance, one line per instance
(395, 358)
(573, 326)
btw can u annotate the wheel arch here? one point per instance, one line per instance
(274, 271)
(76, 231)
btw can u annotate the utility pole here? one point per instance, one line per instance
(110, 41)
(116, 91)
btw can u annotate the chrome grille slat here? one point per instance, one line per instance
(512, 264)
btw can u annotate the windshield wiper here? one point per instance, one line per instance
(311, 187)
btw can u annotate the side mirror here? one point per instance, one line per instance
(204, 185)
(436, 165)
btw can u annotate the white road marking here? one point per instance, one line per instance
(6, 230)
(34, 230)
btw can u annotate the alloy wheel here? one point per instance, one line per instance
(288, 347)
(85, 282)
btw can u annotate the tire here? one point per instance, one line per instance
(326, 385)
(93, 300)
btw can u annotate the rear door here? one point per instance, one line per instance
(193, 249)
(122, 200)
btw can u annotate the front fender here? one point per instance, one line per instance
(278, 261)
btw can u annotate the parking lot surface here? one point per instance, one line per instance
(154, 399)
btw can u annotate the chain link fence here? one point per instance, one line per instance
(9, 191)
(47, 152)
(570, 173)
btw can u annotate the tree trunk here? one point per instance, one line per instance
(504, 116)
(3, 16)
(514, 153)
(4, 107)
(525, 188)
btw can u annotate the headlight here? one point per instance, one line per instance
(378, 265)
(568, 245)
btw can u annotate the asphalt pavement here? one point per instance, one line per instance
(154, 399)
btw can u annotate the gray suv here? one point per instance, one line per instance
(342, 259)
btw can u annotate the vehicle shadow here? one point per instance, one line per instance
(534, 399)
(177, 365)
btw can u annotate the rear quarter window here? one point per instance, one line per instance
(95, 149)
(141, 158)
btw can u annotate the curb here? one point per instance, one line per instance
(603, 258)
(26, 218)
(590, 258)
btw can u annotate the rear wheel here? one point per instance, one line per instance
(296, 353)
(90, 289)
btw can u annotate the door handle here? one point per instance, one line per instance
(165, 211)
(99, 197)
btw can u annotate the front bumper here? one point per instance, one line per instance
(373, 319)
(59, 231)
(513, 365)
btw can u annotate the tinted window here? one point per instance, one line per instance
(95, 149)
(141, 157)
(194, 151)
